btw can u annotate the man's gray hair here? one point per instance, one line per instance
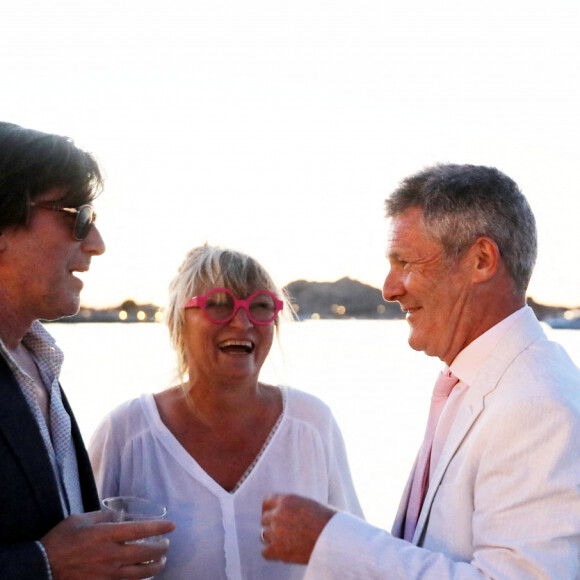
(460, 203)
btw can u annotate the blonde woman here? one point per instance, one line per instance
(212, 447)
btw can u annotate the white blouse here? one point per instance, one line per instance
(218, 532)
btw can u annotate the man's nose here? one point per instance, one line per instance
(393, 287)
(93, 243)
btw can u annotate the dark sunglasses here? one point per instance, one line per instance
(219, 305)
(84, 217)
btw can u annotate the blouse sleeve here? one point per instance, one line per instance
(104, 452)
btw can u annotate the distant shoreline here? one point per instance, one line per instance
(344, 299)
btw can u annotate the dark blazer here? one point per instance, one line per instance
(29, 499)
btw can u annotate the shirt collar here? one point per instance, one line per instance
(469, 361)
(42, 346)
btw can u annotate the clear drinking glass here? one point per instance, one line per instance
(134, 509)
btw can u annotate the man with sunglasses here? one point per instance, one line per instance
(47, 236)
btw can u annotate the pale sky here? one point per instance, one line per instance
(278, 128)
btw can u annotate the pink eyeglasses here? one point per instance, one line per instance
(220, 306)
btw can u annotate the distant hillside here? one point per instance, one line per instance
(348, 298)
(345, 298)
(543, 311)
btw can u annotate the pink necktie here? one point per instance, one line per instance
(445, 383)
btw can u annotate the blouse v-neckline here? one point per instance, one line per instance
(189, 463)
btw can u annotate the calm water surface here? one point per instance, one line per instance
(376, 385)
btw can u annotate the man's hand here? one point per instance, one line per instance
(291, 526)
(85, 547)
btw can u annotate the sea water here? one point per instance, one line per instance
(377, 387)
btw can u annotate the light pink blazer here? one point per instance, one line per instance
(504, 501)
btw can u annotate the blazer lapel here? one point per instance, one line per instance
(20, 431)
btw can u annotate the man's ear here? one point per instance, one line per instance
(486, 259)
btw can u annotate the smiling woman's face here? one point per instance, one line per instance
(233, 352)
